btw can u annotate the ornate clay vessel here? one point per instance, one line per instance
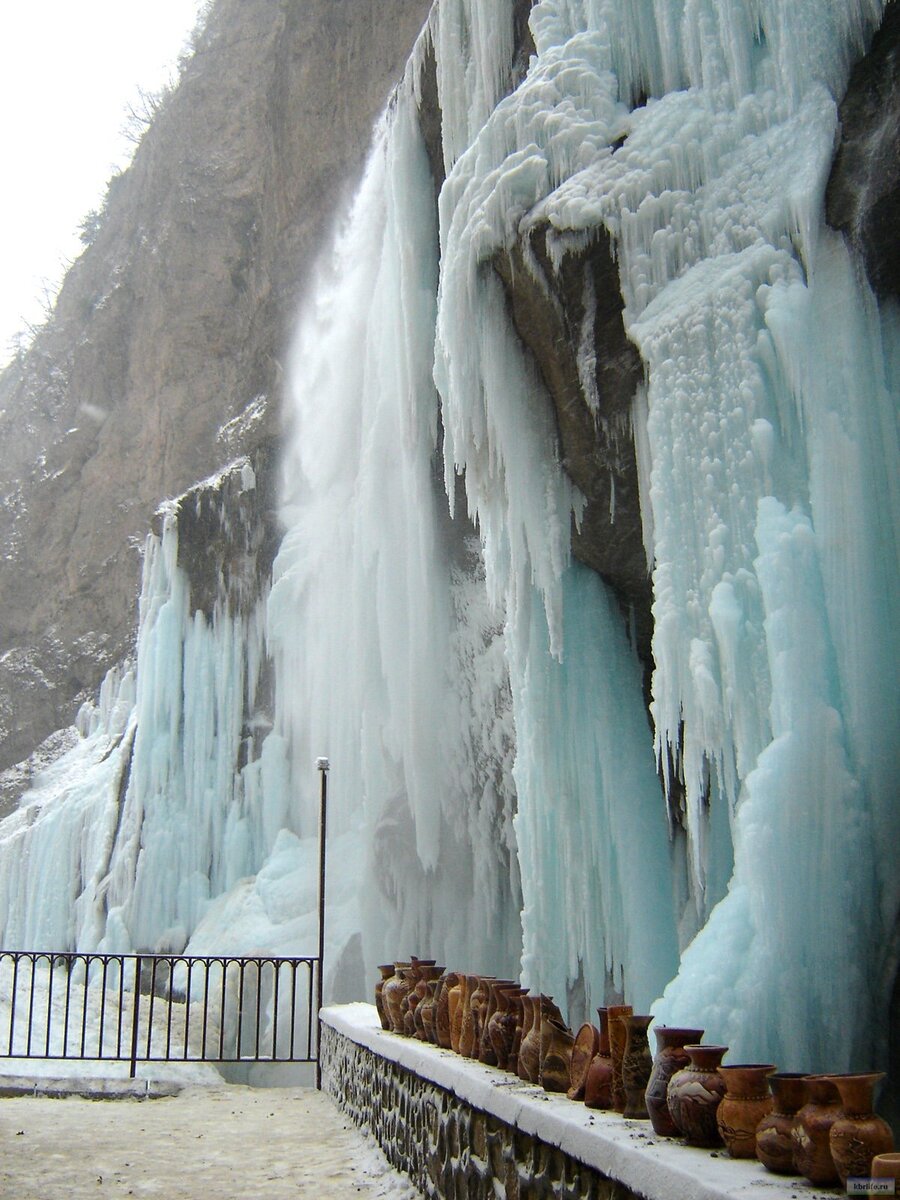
(774, 1143)
(557, 1041)
(517, 1008)
(617, 1016)
(886, 1166)
(426, 977)
(746, 1101)
(457, 1001)
(427, 1010)
(468, 1033)
(694, 1095)
(637, 1063)
(478, 1008)
(442, 1010)
(858, 1134)
(598, 1082)
(387, 970)
(670, 1057)
(812, 1125)
(500, 1025)
(585, 1047)
(529, 1058)
(394, 992)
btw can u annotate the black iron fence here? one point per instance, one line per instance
(140, 1008)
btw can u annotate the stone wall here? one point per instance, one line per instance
(447, 1147)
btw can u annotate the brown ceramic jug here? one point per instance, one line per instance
(774, 1143)
(746, 1101)
(858, 1134)
(637, 1063)
(695, 1093)
(670, 1057)
(812, 1125)
(586, 1045)
(442, 1011)
(598, 1082)
(617, 1016)
(387, 970)
(394, 992)
(557, 1041)
(529, 1061)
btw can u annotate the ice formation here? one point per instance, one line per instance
(496, 798)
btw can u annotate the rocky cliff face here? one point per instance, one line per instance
(162, 360)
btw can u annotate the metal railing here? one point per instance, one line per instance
(140, 1008)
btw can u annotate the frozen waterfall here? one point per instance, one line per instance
(497, 799)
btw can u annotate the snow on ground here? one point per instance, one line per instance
(234, 1143)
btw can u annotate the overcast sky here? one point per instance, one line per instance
(68, 69)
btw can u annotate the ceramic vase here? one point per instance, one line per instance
(858, 1134)
(598, 1081)
(746, 1101)
(387, 970)
(694, 1095)
(670, 1057)
(517, 1008)
(585, 1047)
(774, 1143)
(617, 1015)
(478, 1007)
(457, 1001)
(394, 992)
(529, 1061)
(887, 1166)
(557, 1041)
(500, 1026)
(468, 1031)
(812, 1126)
(442, 1011)
(637, 1063)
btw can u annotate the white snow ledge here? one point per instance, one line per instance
(627, 1151)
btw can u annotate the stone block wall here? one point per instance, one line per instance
(449, 1149)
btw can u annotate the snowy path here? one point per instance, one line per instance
(233, 1143)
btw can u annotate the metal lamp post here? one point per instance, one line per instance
(322, 765)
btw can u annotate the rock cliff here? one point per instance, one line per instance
(162, 359)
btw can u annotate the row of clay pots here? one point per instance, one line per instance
(492, 1020)
(820, 1126)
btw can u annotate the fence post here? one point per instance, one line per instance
(135, 1015)
(322, 765)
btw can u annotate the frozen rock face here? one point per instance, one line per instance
(863, 198)
(172, 324)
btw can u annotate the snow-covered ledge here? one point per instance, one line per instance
(624, 1151)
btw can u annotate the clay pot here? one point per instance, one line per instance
(457, 1003)
(598, 1081)
(774, 1143)
(585, 1047)
(442, 1010)
(387, 970)
(468, 1031)
(746, 1101)
(670, 1057)
(427, 1010)
(427, 975)
(858, 1134)
(394, 992)
(517, 1009)
(500, 1028)
(812, 1125)
(694, 1095)
(478, 1008)
(529, 1059)
(886, 1166)
(637, 1063)
(557, 1041)
(617, 1015)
